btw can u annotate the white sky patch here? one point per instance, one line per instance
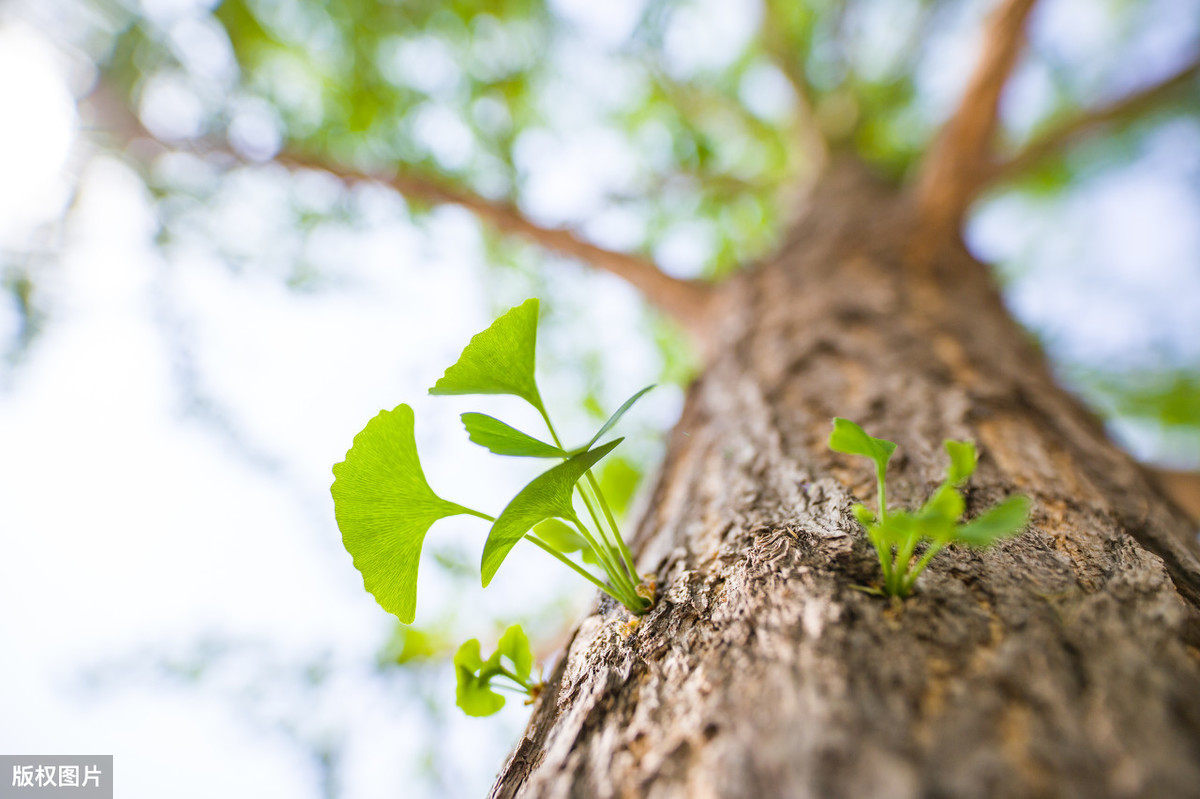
(708, 35)
(767, 93)
(685, 249)
(1128, 288)
(880, 32)
(445, 135)
(567, 178)
(609, 23)
(204, 50)
(171, 109)
(1027, 99)
(945, 66)
(37, 133)
(255, 130)
(424, 63)
(617, 228)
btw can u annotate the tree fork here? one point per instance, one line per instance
(1062, 663)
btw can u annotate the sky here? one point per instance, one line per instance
(175, 587)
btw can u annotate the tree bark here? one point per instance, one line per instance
(1060, 663)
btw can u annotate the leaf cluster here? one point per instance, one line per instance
(385, 506)
(512, 662)
(896, 535)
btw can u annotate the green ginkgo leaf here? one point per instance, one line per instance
(897, 528)
(500, 360)
(616, 417)
(850, 439)
(546, 496)
(500, 438)
(866, 517)
(384, 508)
(962, 461)
(946, 505)
(1005, 519)
(474, 695)
(514, 645)
(560, 535)
(563, 537)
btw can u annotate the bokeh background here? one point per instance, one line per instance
(193, 327)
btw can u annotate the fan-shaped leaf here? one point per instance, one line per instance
(945, 506)
(850, 439)
(514, 645)
(384, 508)
(559, 535)
(474, 695)
(1007, 518)
(962, 461)
(500, 438)
(500, 360)
(546, 496)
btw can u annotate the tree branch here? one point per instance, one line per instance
(1090, 122)
(958, 159)
(685, 301)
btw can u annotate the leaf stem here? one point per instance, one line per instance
(934, 548)
(903, 561)
(880, 480)
(476, 513)
(595, 517)
(586, 575)
(883, 553)
(604, 555)
(626, 555)
(513, 677)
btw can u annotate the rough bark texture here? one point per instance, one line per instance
(1061, 663)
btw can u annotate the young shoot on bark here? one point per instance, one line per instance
(476, 694)
(385, 506)
(896, 535)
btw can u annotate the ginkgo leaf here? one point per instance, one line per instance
(384, 508)
(500, 438)
(897, 528)
(546, 496)
(562, 537)
(559, 535)
(474, 695)
(962, 461)
(850, 439)
(616, 417)
(1007, 518)
(945, 505)
(866, 517)
(500, 360)
(514, 645)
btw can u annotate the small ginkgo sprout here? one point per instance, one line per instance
(385, 506)
(509, 668)
(897, 534)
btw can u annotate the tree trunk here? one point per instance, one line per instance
(1061, 663)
